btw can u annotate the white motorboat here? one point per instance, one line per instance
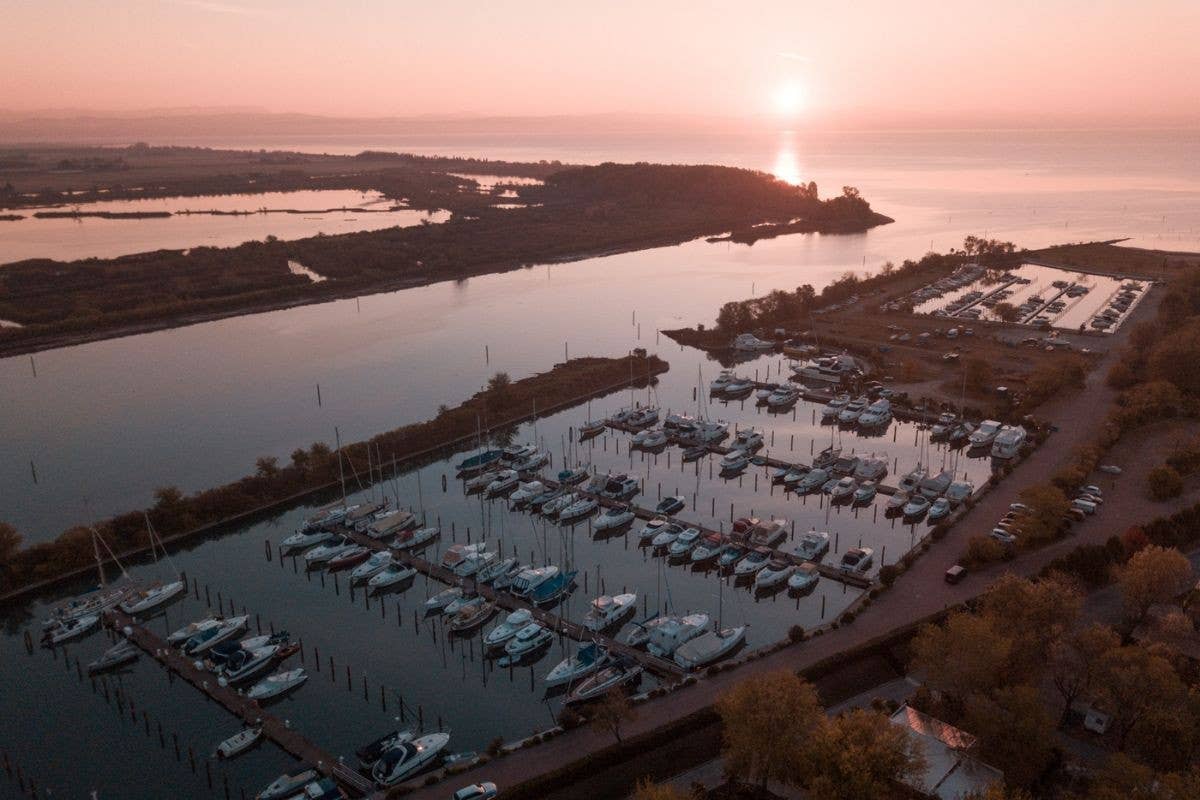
(709, 647)
(247, 664)
(844, 489)
(325, 553)
(813, 546)
(619, 672)
(505, 479)
(554, 507)
(205, 640)
(589, 658)
(939, 509)
(857, 560)
(804, 578)
(120, 654)
(614, 517)
(390, 576)
(958, 492)
(472, 614)
(877, 414)
(666, 638)
(457, 553)
(666, 535)
(443, 598)
(871, 469)
(945, 423)
(640, 418)
(303, 539)
(495, 569)
(735, 461)
(812, 481)
(831, 369)
(774, 573)
(583, 507)
(524, 642)
(750, 343)
(533, 461)
(985, 434)
(916, 507)
(505, 580)
(152, 597)
(516, 453)
(783, 397)
(530, 579)
(650, 439)
(684, 543)
(608, 609)
(763, 393)
(391, 524)
(719, 383)
(507, 629)
(755, 560)
(651, 528)
(865, 493)
(853, 410)
(473, 563)
(289, 784)
(739, 387)
(415, 537)
(1008, 442)
(192, 628)
(748, 440)
(374, 565)
(480, 481)
(766, 534)
(524, 493)
(370, 753)
(835, 406)
(277, 685)
(239, 743)
(710, 547)
(408, 758)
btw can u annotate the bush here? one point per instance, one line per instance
(982, 550)
(888, 574)
(796, 633)
(496, 745)
(1164, 482)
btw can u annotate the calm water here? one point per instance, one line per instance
(68, 239)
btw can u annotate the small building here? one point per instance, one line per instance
(951, 772)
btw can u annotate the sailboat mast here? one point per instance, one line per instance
(99, 561)
(337, 437)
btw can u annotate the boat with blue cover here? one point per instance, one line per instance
(478, 463)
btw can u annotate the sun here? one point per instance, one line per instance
(788, 99)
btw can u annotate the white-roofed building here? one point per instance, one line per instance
(951, 772)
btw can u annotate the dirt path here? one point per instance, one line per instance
(917, 594)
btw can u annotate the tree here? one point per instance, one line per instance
(767, 721)
(1152, 575)
(266, 467)
(1168, 739)
(1163, 483)
(1016, 732)
(977, 373)
(1074, 661)
(648, 790)
(1177, 348)
(1006, 312)
(1047, 507)
(1035, 613)
(735, 317)
(10, 543)
(969, 654)
(613, 711)
(1134, 682)
(860, 755)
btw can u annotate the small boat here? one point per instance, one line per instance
(303, 539)
(764, 393)
(733, 554)
(856, 560)
(525, 492)
(592, 428)
(939, 509)
(288, 784)
(651, 528)
(525, 641)
(896, 502)
(620, 672)
(871, 469)
(615, 517)
(827, 458)
(844, 489)
(473, 562)
(552, 589)
(495, 569)
(349, 558)
(620, 487)
(865, 493)
(553, 508)
(666, 638)
(671, 505)
(910, 483)
(443, 598)
(374, 565)
(608, 609)
(583, 507)
(208, 639)
(506, 579)
(945, 423)
(368, 754)
(390, 524)
(533, 461)
(478, 463)
(935, 486)
(748, 440)
(325, 553)
(813, 546)
(755, 560)
(748, 342)
(192, 628)
(513, 623)
(712, 546)
(709, 647)
(804, 578)
(739, 387)
(239, 743)
(985, 434)
(828, 486)
(693, 453)
(784, 397)
(472, 615)
(642, 417)
(153, 597)
(794, 475)
(390, 576)
(277, 685)
(572, 477)
(408, 758)
(719, 383)
(666, 535)
(916, 507)
(852, 411)
(587, 660)
(415, 537)
(531, 578)
(812, 481)
(505, 480)
(120, 654)
(774, 573)
(480, 481)
(960, 433)
(539, 501)
(649, 438)
(457, 553)
(246, 664)
(684, 543)
(835, 406)
(767, 534)
(958, 492)
(734, 461)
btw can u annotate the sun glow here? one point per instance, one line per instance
(789, 99)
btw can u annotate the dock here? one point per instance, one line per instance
(245, 709)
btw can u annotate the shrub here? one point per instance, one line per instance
(497, 744)
(1164, 482)
(888, 574)
(982, 550)
(796, 633)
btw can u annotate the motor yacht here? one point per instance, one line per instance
(684, 543)
(530, 579)
(735, 461)
(207, 639)
(710, 547)
(622, 671)
(670, 505)
(651, 528)
(666, 638)
(370, 753)
(830, 369)
(804, 578)
(719, 383)
(666, 535)
(777, 571)
(763, 393)
(349, 558)
(857, 560)
(530, 638)
(767, 534)
(247, 664)
(390, 576)
(834, 406)
(812, 481)
(323, 554)
(589, 658)
(277, 685)
(505, 480)
(615, 517)
(525, 493)
(783, 397)
(916, 507)
(153, 597)
(415, 537)
(844, 489)
(877, 414)
(939, 509)
(181, 635)
(985, 434)
(865, 493)
(620, 487)
(755, 560)
(813, 546)
(606, 610)
(583, 507)
(374, 565)
(408, 758)
(709, 647)
(507, 629)
(748, 342)
(748, 440)
(1008, 442)
(853, 410)
(739, 387)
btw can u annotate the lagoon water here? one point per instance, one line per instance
(103, 424)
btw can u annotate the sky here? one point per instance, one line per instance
(1016, 61)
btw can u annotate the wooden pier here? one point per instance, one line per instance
(242, 707)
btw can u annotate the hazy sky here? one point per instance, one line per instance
(1017, 60)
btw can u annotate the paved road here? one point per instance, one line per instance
(920, 592)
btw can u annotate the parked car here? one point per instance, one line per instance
(1003, 536)
(956, 573)
(1084, 506)
(477, 791)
